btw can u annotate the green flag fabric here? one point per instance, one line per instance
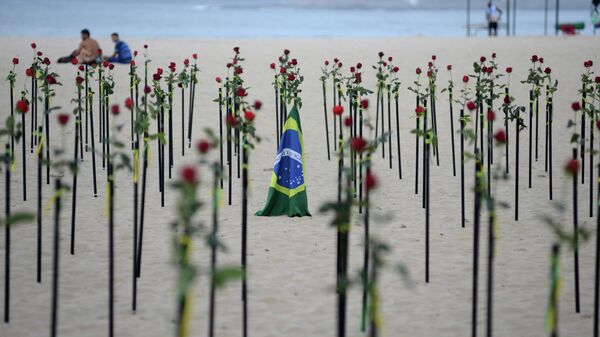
(287, 191)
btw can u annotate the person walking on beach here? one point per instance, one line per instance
(492, 15)
(122, 52)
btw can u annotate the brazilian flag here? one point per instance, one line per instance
(287, 192)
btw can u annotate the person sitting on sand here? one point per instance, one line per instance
(88, 52)
(122, 52)
(492, 15)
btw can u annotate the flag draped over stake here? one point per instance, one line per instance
(287, 191)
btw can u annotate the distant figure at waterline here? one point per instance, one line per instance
(492, 15)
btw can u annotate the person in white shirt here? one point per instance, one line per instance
(492, 15)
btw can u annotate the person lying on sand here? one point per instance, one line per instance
(122, 52)
(88, 52)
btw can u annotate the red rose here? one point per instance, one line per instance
(145, 46)
(430, 64)
(326, 64)
(46, 61)
(29, 72)
(147, 90)
(491, 116)
(541, 60)
(231, 120)
(336, 60)
(50, 79)
(370, 181)
(429, 73)
(493, 55)
(339, 64)
(338, 110)
(465, 79)
(22, 106)
(238, 70)
(188, 175)
(111, 66)
(291, 77)
(348, 121)
(257, 105)
(39, 53)
(390, 59)
(509, 70)
(249, 115)
(63, 119)
(575, 106)
(500, 136)
(489, 70)
(99, 51)
(195, 56)
(286, 52)
(159, 71)
(547, 70)
(114, 109)
(449, 67)
(132, 62)
(33, 45)
(156, 77)
(203, 146)
(507, 100)
(74, 61)
(433, 57)
(358, 144)
(418, 71)
(597, 80)
(482, 59)
(484, 69)
(128, 103)
(186, 62)
(218, 79)
(534, 58)
(380, 54)
(135, 53)
(273, 65)
(294, 62)
(419, 110)
(359, 65)
(364, 103)
(105, 64)
(15, 61)
(352, 69)
(78, 80)
(82, 68)
(572, 166)
(241, 92)
(471, 106)
(282, 70)
(396, 69)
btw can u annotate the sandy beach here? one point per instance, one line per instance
(292, 260)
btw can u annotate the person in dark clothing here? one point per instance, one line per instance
(122, 52)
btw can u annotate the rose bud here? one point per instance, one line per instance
(22, 106)
(336, 60)
(257, 105)
(419, 110)
(575, 106)
(241, 92)
(433, 57)
(358, 144)
(79, 80)
(15, 61)
(272, 65)
(338, 110)
(128, 103)
(203, 146)
(507, 100)
(339, 64)
(33, 45)
(29, 72)
(105, 64)
(238, 70)
(286, 51)
(348, 121)
(135, 53)
(534, 58)
(471, 106)
(195, 56)
(491, 116)
(218, 79)
(50, 79)
(326, 63)
(541, 60)
(147, 90)
(364, 103)
(429, 73)
(132, 62)
(390, 59)
(465, 79)
(500, 136)
(145, 46)
(396, 69)
(114, 109)
(63, 118)
(39, 53)
(291, 77)
(418, 71)
(370, 181)
(294, 62)
(186, 62)
(111, 66)
(352, 69)
(231, 120)
(385, 64)
(358, 65)
(482, 59)
(449, 67)
(188, 175)
(493, 55)
(508, 70)
(380, 54)
(547, 70)
(249, 115)
(82, 68)
(572, 167)
(430, 64)
(74, 61)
